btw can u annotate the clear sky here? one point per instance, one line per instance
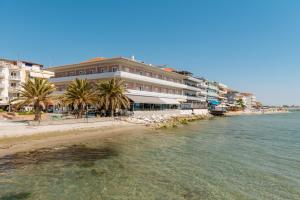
(250, 45)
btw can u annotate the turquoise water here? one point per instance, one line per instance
(242, 157)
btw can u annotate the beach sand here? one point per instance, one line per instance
(21, 138)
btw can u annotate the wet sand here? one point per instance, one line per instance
(12, 145)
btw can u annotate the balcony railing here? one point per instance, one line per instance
(14, 89)
(2, 75)
(15, 78)
(14, 68)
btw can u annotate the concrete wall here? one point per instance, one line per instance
(158, 112)
(200, 111)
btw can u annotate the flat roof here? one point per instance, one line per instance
(23, 61)
(104, 60)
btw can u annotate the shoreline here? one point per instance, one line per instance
(13, 145)
(21, 137)
(238, 113)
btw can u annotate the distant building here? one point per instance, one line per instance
(223, 89)
(15, 72)
(249, 100)
(212, 91)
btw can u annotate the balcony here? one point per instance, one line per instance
(156, 94)
(2, 75)
(213, 87)
(15, 78)
(212, 94)
(14, 68)
(196, 98)
(14, 89)
(124, 75)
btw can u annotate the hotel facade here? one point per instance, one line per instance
(13, 73)
(148, 87)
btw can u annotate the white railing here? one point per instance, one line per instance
(14, 89)
(196, 98)
(15, 78)
(156, 94)
(212, 94)
(14, 67)
(2, 75)
(126, 75)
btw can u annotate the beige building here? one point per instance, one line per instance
(13, 73)
(148, 86)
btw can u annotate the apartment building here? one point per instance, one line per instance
(148, 87)
(223, 89)
(212, 91)
(197, 94)
(249, 100)
(13, 73)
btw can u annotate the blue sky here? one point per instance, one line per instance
(250, 45)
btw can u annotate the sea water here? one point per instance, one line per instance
(240, 157)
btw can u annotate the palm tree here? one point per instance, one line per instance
(35, 92)
(79, 94)
(111, 95)
(240, 103)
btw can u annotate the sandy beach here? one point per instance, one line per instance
(18, 137)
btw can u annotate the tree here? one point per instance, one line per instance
(35, 92)
(241, 103)
(111, 95)
(79, 94)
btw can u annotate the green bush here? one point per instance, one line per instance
(1, 110)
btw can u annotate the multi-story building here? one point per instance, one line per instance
(223, 89)
(148, 86)
(13, 73)
(249, 100)
(212, 91)
(232, 97)
(196, 94)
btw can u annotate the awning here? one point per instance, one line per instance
(214, 102)
(143, 99)
(170, 101)
(152, 100)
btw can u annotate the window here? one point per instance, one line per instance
(81, 72)
(139, 87)
(114, 69)
(141, 73)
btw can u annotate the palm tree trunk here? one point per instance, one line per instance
(112, 112)
(79, 115)
(37, 115)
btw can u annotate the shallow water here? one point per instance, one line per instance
(242, 157)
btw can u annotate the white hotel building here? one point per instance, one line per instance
(13, 73)
(149, 87)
